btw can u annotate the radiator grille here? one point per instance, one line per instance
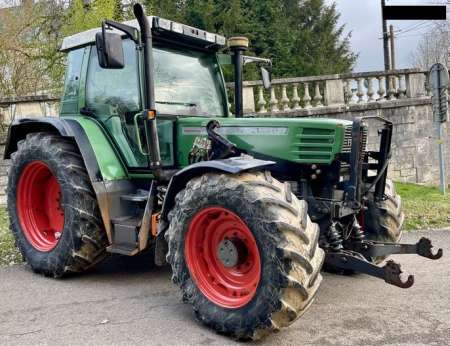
(314, 145)
(347, 144)
(364, 139)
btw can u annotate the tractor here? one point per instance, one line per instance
(146, 157)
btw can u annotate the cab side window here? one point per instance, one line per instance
(69, 104)
(111, 91)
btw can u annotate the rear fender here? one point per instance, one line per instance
(19, 129)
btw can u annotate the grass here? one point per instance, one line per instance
(8, 252)
(424, 206)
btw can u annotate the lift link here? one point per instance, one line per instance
(356, 258)
(349, 260)
(371, 249)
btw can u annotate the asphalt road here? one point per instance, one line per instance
(119, 304)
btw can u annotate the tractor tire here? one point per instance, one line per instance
(384, 221)
(272, 273)
(53, 211)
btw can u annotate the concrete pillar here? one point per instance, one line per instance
(334, 92)
(415, 85)
(248, 100)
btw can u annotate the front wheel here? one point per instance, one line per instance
(383, 221)
(244, 253)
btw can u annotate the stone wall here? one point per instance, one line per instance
(17, 108)
(4, 165)
(415, 139)
(28, 107)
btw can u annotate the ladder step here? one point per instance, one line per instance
(139, 197)
(128, 221)
(125, 235)
(123, 249)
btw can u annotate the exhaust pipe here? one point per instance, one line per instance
(238, 45)
(149, 89)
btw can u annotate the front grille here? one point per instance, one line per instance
(364, 138)
(314, 145)
(347, 143)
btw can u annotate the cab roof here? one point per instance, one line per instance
(162, 25)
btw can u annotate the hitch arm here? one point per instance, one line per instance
(377, 249)
(390, 272)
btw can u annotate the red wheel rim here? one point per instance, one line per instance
(232, 285)
(39, 206)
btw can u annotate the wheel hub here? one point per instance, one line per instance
(227, 253)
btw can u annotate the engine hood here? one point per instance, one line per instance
(299, 140)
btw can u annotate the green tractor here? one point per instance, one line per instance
(146, 156)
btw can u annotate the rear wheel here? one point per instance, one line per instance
(244, 253)
(52, 207)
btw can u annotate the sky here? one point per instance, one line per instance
(363, 19)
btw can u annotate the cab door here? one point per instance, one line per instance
(113, 97)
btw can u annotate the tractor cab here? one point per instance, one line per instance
(187, 82)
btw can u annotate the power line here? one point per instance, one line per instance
(424, 34)
(402, 34)
(419, 26)
(410, 27)
(429, 25)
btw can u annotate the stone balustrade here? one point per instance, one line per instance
(292, 95)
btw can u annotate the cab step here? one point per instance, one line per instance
(140, 196)
(125, 232)
(123, 249)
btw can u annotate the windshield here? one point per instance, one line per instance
(188, 83)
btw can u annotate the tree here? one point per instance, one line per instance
(320, 47)
(433, 47)
(31, 35)
(81, 16)
(29, 39)
(301, 37)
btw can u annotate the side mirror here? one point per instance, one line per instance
(266, 78)
(109, 50)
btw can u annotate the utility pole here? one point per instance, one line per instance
(392, 67)
(387, 59)
(391, 38)
(385, 38)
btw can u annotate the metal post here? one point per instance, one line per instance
(238, 45)
(385, 43)
(151, 129)
(441, 144)
(442, 171)
(439, 79)
(238, 73)
(391, 38)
